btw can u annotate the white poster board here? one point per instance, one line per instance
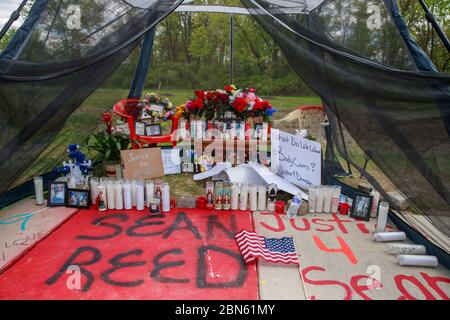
(171, 161)
(296, 159)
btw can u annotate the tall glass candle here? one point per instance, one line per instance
(139, 189)
(328, 195)
(101, 197)
(133, 193)
(262, 193)
(417, 260)
(235, 196)
(320, 199)
(39, 190)
(383, 211)
(272, 197)
(118, 195)
(93, 182)
(243, 197)
(375, 200)
(335, 199)
(110, 194)
(253, 194)
(312, 200)
(127, 195)
(149, 191)
(165, 197)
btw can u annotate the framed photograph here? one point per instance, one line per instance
(361, 206)
(139, 128)
(78, 198)
(153, 130)
(57, 194)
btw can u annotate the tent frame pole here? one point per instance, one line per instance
(431, 19)
(14, 16)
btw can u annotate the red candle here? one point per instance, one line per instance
(279, 206)
(201, 203)
(344, 208)
(173, 203)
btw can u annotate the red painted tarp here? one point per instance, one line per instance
(186, 254)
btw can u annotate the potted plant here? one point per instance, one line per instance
(107, 144)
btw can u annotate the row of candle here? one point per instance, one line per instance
(241, 130)
(324, 199)
(120, 194)
(235, 196)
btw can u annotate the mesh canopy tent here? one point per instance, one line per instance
(375, 81)
(52, 65)
(357, 56)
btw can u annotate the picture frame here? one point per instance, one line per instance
(140, 128)
(362, 203)
(57, 194)
(78, 198)
(153, 130)
(187, 167)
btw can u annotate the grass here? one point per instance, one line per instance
(87, 118)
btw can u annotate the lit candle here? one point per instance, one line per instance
(39, 190)
(110, 194)
(383, 211)
(139, 189)
(253, 191)
(93, 182)
(165, 197)
(262, 197)
(118, 195)
(389, 236)
(414, 260)
(127, 195)
(235, 196)
(243, 198)
(149, 191)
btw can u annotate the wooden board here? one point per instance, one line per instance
(186, 254)
(23, 224)
(338, 258)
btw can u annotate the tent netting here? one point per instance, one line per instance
(356, 55)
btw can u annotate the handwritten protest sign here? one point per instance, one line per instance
(142, 163)
(296, 159)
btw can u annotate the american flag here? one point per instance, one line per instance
(253, 245)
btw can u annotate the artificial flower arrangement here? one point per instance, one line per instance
(244, 103)
(155, 107)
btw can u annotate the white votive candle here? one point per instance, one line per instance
(335, 199)
(133, 193)
(375, 201)
(383, 211)
(253, 192)
(262, 193)
(93, 182)
(243, 197)
(149, 191)
(389, 236)
(165, 196)
(39, 190)
(401, 248)
(234, 196)
(319, 199)
(101, 198)
(127, 195)
(118, 195)
(328, 195)
(110, 195)
(139, 189)
(416, 260)
(312, 200)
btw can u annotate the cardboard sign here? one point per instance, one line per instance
(171, 161)
(296, 159)
(142, 163)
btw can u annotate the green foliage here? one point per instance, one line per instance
(6, 38)
(108, 147)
